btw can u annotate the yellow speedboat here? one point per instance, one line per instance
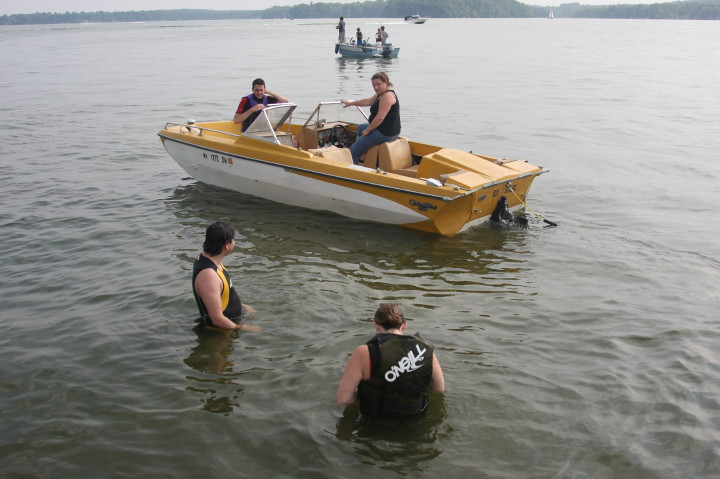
(406, 183)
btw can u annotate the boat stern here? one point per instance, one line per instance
(478, 183)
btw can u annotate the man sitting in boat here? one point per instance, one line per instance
(384, 121)
(250, 105)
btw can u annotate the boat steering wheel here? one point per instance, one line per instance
(339, 136)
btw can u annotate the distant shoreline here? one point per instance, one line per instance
(681, 10)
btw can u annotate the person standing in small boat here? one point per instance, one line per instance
(250, 105)
(341, 30)
(216, 298)
(359, 37)
(384, 121)
(391, 374)
(384, 35)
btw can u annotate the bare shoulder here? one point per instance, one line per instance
(359, 361)
(207, 274)
(207, 278)
(362, 351)
(391, 99)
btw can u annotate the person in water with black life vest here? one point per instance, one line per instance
(391, 374)
(217, 300)
(250, 105)
(384, 120)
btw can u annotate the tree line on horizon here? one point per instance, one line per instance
(686, 10)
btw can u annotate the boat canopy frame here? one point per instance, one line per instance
(266, 126)
(340, 113)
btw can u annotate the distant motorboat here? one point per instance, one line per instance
(551, 14)
(415, 19)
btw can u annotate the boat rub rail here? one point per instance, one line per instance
(465, 191)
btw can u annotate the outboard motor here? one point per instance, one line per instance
(503, 215)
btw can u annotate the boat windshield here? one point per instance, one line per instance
(271, 118)
(334, 112)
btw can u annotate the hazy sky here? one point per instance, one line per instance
(33, 6)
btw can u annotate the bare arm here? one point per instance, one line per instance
(437, 382)
(365, 102)
(241, 117)
(209, 287)
(280, 98)
(357, 369)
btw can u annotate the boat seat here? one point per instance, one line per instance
(392, 156)
(308, 138)
(341, 155)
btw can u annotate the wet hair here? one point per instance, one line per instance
(258, 81)
(383, 77)
(389, 316)
(218, 235)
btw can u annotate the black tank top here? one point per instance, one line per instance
(390, 126)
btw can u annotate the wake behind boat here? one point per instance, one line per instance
(406, 183)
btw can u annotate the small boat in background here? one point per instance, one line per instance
(367, 50)
(551, 14)
(415, 19)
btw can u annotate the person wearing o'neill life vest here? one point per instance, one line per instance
(392, 374)
(250, 105)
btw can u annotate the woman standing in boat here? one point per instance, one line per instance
(384, 121)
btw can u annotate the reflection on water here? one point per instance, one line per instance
(283, 231)
(353, 69)
(337, 258)
(400, 444)
(212, 358)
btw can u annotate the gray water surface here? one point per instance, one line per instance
(589, 350)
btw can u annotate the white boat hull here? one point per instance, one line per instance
(279, 183)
